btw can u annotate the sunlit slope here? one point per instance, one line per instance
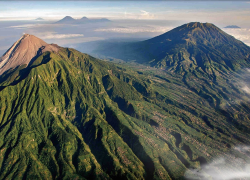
(71, 116)
(23, 51)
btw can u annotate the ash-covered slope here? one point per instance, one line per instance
(71, 116)
(23, 51)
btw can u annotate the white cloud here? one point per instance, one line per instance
(54, 35)
(146, 15)
(150, 29)
(244, 83)
(139, 15)
(23, 26)
(230, 166)
(246, 89)
(71, 42)
(62, 36)
(243, 34)
(36, 26)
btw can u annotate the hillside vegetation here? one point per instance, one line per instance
(71, 116)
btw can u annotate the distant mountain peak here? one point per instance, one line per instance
(39, 19)
(70, 20)
(23, 51)
(197, 45)
(232, 26)
(190, 32)
(84, 18)
(68, 17)
(198, 26)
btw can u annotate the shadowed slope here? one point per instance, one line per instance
(191, 47)
(71, 116)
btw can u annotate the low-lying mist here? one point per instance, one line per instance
(245, 82)
(228, 166)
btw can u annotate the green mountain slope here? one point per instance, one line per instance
(191, 47)
(71, 116)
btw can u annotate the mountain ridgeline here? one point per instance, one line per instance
(192, 47)
(83, 20)
(67, 115)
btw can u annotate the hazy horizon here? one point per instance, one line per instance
(129, 19)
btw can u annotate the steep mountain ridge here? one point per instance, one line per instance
(71, 116)
(23, 51)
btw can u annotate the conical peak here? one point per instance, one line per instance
(25, 35)
(192, 30)
(200, 26)
(195, 30)
(23, 51)
(68, 18)
(29, 41)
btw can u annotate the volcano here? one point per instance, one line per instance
(190, 47)
(23, 51)
(67, 115)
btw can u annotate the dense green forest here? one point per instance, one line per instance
(71, 116)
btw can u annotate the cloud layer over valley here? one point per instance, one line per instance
(229, 166)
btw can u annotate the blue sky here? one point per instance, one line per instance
(18, 10)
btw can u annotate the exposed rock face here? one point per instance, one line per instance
(23, 51)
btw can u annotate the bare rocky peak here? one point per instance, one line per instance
(23, 51)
